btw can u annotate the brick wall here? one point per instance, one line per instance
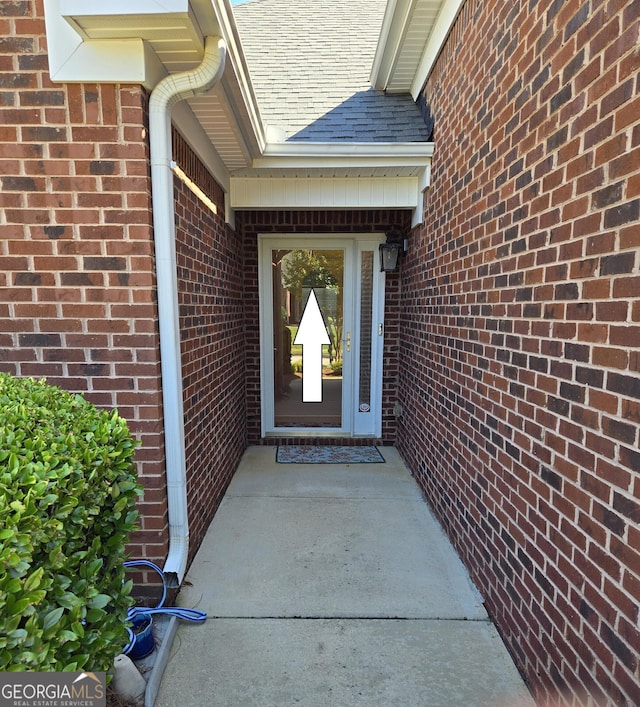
(77, 302)
(209, 257)
(520, 332)
(250, 225)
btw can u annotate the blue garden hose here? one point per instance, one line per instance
(140, 612)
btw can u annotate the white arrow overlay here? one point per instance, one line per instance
(312, 334)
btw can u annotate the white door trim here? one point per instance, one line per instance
(354, 423)
(369, 424)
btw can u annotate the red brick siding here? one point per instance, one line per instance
(250, 224)
(77, 302)
(520, 328)
(209, 257)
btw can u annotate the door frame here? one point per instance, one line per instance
(354, 422)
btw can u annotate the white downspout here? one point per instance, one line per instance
(165, 95)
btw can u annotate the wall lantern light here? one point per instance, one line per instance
(389, 253)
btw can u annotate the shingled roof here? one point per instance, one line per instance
(310, 62)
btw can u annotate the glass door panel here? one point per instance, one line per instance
(365, 328)
(295, 274)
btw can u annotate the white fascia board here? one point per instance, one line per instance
(268, 193)
(394, 28)
(361, 149)
(323, 192)
(423, 183)
(294, 155)
(446, 17)
(72, 60)
(362, 192)
(378, 76)
(226, 22)
(121, 61)
(81, 8)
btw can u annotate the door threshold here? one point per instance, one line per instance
(305, 434)
(275, 439)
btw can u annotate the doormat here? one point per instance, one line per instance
(327, 454)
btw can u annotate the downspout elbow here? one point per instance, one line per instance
(185, 84)
(171, 90)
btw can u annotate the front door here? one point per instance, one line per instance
(322, 304)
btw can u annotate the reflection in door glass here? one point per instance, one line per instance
(295, 274)
(366, 330)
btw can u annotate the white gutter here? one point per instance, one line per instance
(169, 91)
(334, 150)
(324, 155)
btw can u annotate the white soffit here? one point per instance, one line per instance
(168, 26)
(412, 35)
(173, 29)
(140, 42)
(72, 58)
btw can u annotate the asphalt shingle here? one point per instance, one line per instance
(310, 62)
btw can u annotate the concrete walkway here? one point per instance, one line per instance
(329, 586)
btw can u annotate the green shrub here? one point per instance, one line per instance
(67, 506)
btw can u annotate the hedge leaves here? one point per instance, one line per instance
(67, 506)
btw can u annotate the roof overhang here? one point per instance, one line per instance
(336, 176)
(141, 42)
(412, 35)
